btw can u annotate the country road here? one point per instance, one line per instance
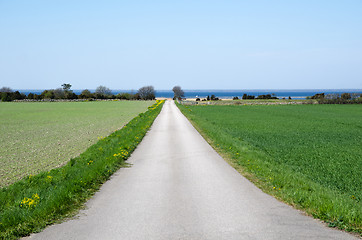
(178, 187)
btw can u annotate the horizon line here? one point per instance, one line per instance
(255, 89)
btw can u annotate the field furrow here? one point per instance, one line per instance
(37, 137)
(307, 155)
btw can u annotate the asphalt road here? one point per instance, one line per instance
(179, 188)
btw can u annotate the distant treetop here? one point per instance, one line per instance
(102, 90)
(147, 93)
(178, 92)
(6, 89)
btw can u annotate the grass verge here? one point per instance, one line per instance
(305, 155)
(34, 202)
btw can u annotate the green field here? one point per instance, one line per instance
(308, 155)
(38, 136)
(36, 201)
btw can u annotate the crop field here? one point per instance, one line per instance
(38, 136)
(307, 155)
(37, 201)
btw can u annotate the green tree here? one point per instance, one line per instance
(59, 93)
(31, 96)
(66, 87)
(86, 94)
(48, 94)
(5, 96)
(346, 96)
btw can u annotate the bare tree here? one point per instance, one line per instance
(6, 90)
(102, 90)
(147, 93)
(178, 93)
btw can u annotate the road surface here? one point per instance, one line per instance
(179, 188)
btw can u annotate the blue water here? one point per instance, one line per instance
(228, 94)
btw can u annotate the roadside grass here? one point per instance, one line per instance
(309, 156)
(36, 201)
(39, 136)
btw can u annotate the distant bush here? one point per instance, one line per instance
(124, 96)
(318, 96)
(246, 96)
(37, 97)
(340, 101)
(7, 95)
(214, 98)
(197, 99)
(86, 94)
(31, 96)
(266, 96)
(127, 96)
(47, 94)
(344, 98)
(18, 96)
(236, 98)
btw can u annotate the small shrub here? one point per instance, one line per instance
(346, 96)
(214, 98)
(246, 96)
(318, 96)
(267, 96)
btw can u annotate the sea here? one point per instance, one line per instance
(229, 94)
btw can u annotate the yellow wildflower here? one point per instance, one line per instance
(30, 202)
(49, 178)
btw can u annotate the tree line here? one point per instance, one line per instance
(336, 98)
(244, 97)
(65, 92)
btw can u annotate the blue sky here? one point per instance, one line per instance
(195, 44)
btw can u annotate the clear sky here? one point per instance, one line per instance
(197, 44)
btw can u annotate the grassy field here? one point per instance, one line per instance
(41, 136)
(307, 155)
(34, 202)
